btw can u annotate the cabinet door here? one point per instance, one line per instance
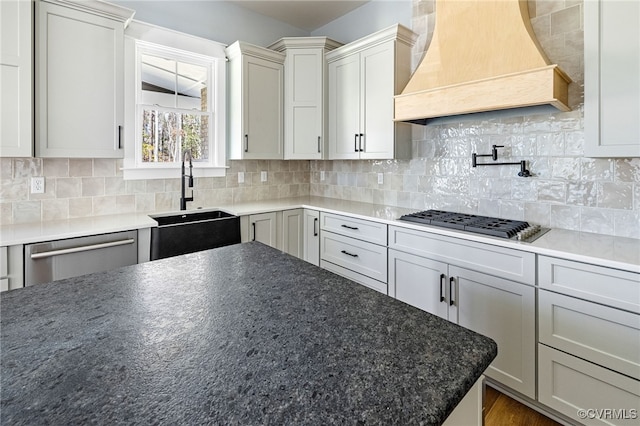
(16, 113)
(504, 311)
(376, 91)
(262, 108)
(344, 108)
(612, 86)
(419, 281)
(304, 88)
(292, 232)
(263, 228)
(312, 237)
(79, 84)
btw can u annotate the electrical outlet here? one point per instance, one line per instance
(37, 185)
(240, 177)
(380, 178)
(322, 175)
(263, 176)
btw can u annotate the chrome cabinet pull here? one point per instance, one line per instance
(315, 230)
(360, 144)
(246, 143)
(349, 254)
(59, 252)
(349, 227)
(442, 278)
(451, 299)
(119, 137)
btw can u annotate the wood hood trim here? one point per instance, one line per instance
(484, 56)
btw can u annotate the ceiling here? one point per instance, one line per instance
(304, 14)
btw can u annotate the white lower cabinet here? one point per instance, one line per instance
(589, 342)
(311, 239)
(501, 309)
(346, 248)
(263, 227)
(292, 232)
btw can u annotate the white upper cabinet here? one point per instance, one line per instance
(363, 78)
(16, 68)
(79, 79)
(255, 89)
(305, 95)
(611, 82)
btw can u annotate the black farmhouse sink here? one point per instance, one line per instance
(184, 233)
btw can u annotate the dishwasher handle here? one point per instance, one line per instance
(59, 252)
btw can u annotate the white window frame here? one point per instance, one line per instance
(145, 38)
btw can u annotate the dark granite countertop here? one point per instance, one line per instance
(243, 334)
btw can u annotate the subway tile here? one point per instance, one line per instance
(104, 167)
(565, 217)
(80, 167)
(80, 207)
(68, 187)
(27, 211)
(6, 213)
(615, 195)
(596, 220)
(6, 168)
(92, 187)
(55, 209)
(56, 167)
(27, 167)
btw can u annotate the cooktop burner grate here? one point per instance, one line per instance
(503, 228)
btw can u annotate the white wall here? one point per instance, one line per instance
(215, 20)
(367, 19)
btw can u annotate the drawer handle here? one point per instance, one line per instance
(315, 229)
(442, 278)
(253, 225)
(349, 254)
(350, 227)
(52, 253)
(451, 283)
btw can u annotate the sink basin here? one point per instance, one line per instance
(179, 218)
(184, 233)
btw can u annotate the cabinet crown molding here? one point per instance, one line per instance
(305, 43)
(100, 8)
(240, 47)
(396, 32)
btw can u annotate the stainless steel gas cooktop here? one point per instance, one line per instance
(493, 226)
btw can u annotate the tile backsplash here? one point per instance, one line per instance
(567, 189)
(91, 187)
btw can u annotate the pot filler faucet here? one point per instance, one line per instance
(183, 200)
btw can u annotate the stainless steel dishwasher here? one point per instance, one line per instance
(55, 260)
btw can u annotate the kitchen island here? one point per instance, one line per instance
(242, 334)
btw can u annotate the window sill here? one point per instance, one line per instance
(170, 172)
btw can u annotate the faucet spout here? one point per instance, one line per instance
(183, 199)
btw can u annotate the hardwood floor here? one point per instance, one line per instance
(500, 410)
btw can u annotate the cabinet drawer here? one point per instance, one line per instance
(502, 262)
(359, 256)
(620, 289)
(354, 276)
(357, 228)
(607, 336)
(569, 384)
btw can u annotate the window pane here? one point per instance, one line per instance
(192, 86)
(166, 134)
(158, 76)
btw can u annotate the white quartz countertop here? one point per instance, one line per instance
(603, 250)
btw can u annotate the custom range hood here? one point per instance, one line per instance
(484, 56)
